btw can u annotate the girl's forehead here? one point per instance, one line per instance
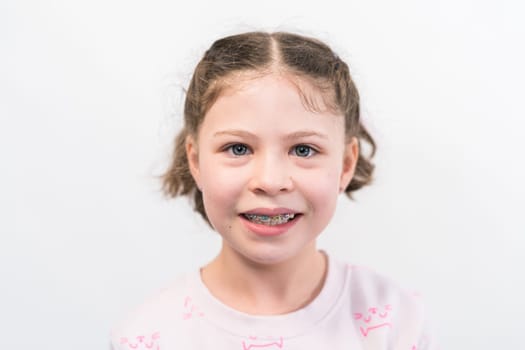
(315, 96)
(272, 105)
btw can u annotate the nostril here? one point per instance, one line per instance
(271, 183)
(270, 179)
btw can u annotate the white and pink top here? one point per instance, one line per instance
(356, 309)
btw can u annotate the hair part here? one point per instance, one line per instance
(254, 54)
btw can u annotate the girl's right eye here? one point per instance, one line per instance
(238, 149)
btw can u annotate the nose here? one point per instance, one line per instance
(271, 175)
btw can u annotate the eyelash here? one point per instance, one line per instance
(230, 148)
(311, 151)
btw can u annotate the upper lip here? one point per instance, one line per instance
(271, 211)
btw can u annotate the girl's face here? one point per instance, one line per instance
(269, 169)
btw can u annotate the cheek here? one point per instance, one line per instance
(324, 179)
(218, 204)
(222, 183)
(322, 189)
(220, 189)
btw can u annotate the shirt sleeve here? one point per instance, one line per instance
(427, 338)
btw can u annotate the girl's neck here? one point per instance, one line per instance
(266, 289)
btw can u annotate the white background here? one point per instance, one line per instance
(90, 98)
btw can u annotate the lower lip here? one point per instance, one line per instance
(265, 230)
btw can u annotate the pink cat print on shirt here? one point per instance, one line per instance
(142, 342)
(374, 318)
(191, 310)
(262, 343)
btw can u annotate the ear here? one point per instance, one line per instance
(192, 154)
(350, 157)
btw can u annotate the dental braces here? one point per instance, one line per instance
(270, 220)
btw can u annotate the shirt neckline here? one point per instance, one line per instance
(286, 325)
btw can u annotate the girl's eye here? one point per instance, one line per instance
(238, 149)
(303, 151)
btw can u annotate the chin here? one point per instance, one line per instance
(269, 257)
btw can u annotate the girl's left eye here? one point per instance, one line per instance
(238, 149)
(303, 151)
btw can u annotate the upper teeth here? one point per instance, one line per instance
(270, 220)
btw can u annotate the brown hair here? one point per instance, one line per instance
(302, 57)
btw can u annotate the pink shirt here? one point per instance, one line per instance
(356, 309)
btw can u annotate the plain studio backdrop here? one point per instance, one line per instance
(90, 99)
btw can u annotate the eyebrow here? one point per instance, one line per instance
(293, 135)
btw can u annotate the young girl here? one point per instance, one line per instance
(271, 138)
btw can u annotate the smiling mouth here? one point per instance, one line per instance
(270, 220)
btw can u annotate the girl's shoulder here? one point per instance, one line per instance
(367, 284)
(378, 304)
(379, 292)
(142, 327)
(364, 284)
